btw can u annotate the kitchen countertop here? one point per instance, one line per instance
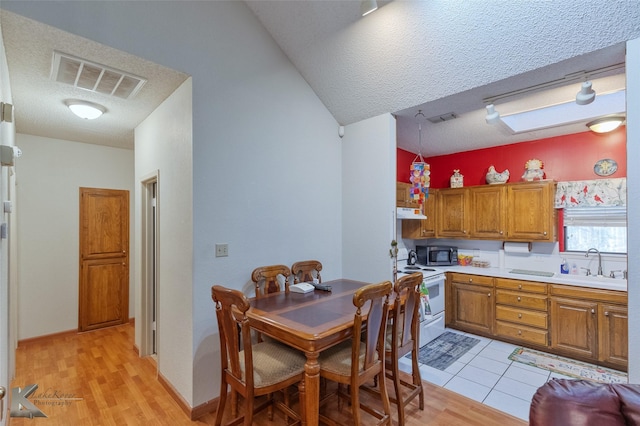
(604, 283)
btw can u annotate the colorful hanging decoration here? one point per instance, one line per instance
(420, 171)
(420, 179)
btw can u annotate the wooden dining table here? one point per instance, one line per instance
(310, 322)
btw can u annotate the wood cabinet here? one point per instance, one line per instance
(521, 311)
(587, 324)
(511, 212)
(489, 209)
(453, 213)
(470, 303)
(425, 228)
(403, 196)
(530, 212)
(590, 325)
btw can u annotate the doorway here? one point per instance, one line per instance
(149, 266)
(104, 258)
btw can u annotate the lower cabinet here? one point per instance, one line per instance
(583, 323)
(471, 303)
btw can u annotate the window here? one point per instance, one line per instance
(604, 228)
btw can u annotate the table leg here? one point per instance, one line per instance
(311, 395)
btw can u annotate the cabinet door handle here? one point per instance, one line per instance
(606, 313)
(518, 298)
(519, 315)
(501, 232)
(519, 286)
(488, 294)
(544, 233)
(470, 280)
(593, 311)
(519, 332)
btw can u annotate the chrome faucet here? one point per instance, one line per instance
(599, 259)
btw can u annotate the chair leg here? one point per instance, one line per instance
(270, 408)
(385, 398)
(301, 398)
(234, 403)
(248, 405)
(222, 402)
(417, 380)
(398, 390)
(355, 404)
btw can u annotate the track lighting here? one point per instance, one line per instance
(493, 116)
(586, 95)
(606, 124)
(368, 6)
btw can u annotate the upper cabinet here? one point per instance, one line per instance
(530, 212)
(403, 196)
(510, 212)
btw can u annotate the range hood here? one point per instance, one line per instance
(409, 213)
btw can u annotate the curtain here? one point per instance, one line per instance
(590, 193)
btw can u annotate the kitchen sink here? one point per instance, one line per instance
(586, 280)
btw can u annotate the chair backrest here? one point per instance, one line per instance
(303, 271)
(405, 314)
(376, 319)
(230, 321)
(269, 276)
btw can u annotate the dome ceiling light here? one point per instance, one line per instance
(85, 109)
(606, 124)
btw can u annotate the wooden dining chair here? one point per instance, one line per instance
(402, 338)
(266, 279)
(251, 369)
(356, 362)
(305, 271)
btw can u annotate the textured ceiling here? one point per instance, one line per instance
(39, 101)
(438, 56)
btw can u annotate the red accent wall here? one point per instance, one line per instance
(565, 158)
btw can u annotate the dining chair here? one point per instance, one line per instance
(266, 279)
(305, 271)
(356, 362)
(251, 369)
(402, 338)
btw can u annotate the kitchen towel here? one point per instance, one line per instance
(517, 248)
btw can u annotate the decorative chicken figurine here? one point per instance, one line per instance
(494, 177)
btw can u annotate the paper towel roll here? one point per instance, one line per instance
(501, 259)
(510, 247)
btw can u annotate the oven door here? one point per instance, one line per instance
(435, 286)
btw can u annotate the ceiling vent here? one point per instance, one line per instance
(444, 117)
(94, 77)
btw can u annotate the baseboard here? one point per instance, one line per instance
(193, 413)
(47, 337)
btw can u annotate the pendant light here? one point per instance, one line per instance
(586, 95)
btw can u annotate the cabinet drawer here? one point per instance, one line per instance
(522, 316)
(472, 279)
(524, 333)
(525, 300)
(528, 286)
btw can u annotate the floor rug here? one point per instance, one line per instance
(445, 349)
(568, 367)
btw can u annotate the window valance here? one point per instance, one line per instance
(589, 193)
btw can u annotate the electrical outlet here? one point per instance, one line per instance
(222, 250)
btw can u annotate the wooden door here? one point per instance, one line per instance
(104, 258)
(453, 213)
(574, 328)
(488, 207)
(473, 308)
(613, 330)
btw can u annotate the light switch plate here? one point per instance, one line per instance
(222, 250)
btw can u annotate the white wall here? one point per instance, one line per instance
(163, 145)
(369, 198)
(49, 175)
(633, 205)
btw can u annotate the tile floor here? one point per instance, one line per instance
(486, 374)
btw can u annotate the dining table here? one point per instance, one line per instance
(310, 322)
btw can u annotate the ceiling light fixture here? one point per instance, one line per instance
(493, 116)
(586, 95)
(606, 124)
(85, 109)
(368, 6)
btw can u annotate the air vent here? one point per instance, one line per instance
(444, 117)
(94, 77)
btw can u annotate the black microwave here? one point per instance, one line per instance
(437, 255)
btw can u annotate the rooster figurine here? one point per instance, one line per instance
(493, 177)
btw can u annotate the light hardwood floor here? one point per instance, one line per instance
(113, 386)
